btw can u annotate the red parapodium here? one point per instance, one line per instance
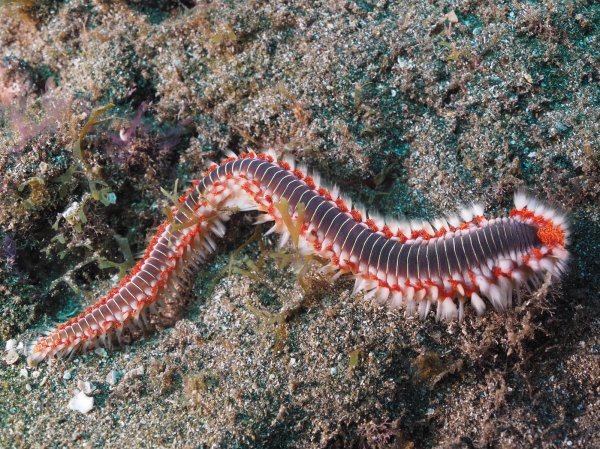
(415, 265)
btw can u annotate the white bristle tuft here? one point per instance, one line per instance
(521, 200)
(505, 265)
(466, 214)
(272, 153)
(396, 300)
(283, 239)
(547, 264)
(302, 168)
(404, 228)
(449, 310)
(347, 200)
(428, 228)
(541, 210)
(335, 192)
(317, 179)
(453, 220)
(532, 204)
(272, 229)
(381, 295)
(434, 293)
(439, 224)
(361, 210)
(290, 160)
(359, 284)
(424, 308)
(378, 219)
(478, 209)
(478, 304)
(496, 296)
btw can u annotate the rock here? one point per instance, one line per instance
(113, 377)
(134, 373)
(11, 357)
(11, 344)
(81, 403)
(86, 387)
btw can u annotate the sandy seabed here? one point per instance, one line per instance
(412, 108)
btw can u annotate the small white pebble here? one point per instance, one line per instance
(28, 387)
(112, 377)
(81, 403)
(24, 372)
(293, 361)
(11, 344)
(11, 357)
(20, 346)
(36, 374)
(67, 375)
(333, 371)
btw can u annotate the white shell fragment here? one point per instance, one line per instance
(11, 357)
(81, 403)
(11, 344)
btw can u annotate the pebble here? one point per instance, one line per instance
(11, 344)
(136, 372)
(112, 377)
(24, 373)
(101, 352)
(67, 375)
(86, 387)
(11, 357)
(81, 403)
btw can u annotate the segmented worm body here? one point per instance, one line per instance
(416, 265)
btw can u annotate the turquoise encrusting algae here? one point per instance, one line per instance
(415, 107)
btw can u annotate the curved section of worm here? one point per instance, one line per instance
(420, 266)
